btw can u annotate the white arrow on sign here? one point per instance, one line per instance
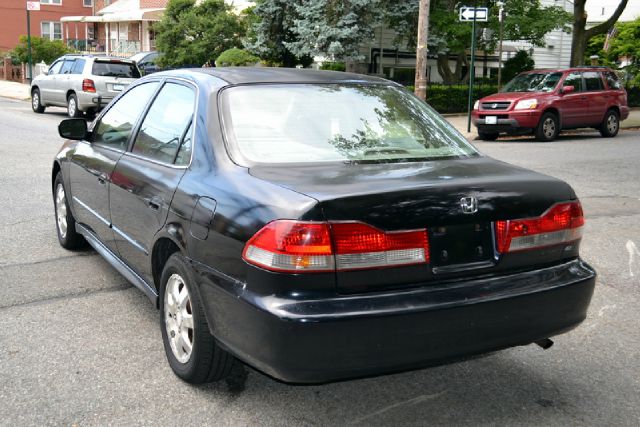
(467, 13)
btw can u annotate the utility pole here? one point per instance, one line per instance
(472, 71)
(31, 5)
(421, 54)
(501, 20)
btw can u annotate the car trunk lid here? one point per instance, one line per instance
(457, 201)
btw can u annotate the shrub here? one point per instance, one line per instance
(236, 58)
(41, 50)
(515, 65)
(333, 66)
(446, 99)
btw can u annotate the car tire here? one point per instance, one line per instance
(68, 237)
(548, 127)
(72, 106)
(610, 125)
(36, 101)
(488, 136)
(191, 350)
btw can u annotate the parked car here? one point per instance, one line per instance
(146, 61)
(82, 83)
(544, 102)
(316, 225)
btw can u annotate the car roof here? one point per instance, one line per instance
(568, 69)
(247, 75)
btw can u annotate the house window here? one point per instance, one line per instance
(50, 1)
(51, 30)
(87, 3)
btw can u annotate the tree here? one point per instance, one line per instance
(335, 29)
(42, 49)
(581, 34)
(450, 39)
(624, 44)
(518, 63)
(192, 35)
(272, 28)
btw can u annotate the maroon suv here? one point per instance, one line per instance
(543, 102)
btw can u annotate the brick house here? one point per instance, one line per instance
(45, 22)
(117, 27)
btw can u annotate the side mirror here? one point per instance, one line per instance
(75, 129)
(568, 89)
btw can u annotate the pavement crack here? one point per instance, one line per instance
(45, 261)
(70, 295)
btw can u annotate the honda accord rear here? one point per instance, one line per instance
(318, 226)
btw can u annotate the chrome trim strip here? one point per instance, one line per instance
(96, 214)
(118, 264)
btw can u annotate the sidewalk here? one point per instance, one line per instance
(460, 123)
(14, 90)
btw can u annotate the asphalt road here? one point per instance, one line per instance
(78, 345)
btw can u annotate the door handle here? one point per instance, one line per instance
(102, 179)
(155, 203)
(584, 98)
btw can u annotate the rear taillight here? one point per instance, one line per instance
(88, 85)
(562, 223)
(301, 246)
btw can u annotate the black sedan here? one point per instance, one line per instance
(316, 225)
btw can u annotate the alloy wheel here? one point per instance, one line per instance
(72, 107)
(549, 127)
(178, 316)
(612, 123)
(35, 100)
(61, 211)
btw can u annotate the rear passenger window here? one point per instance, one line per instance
(116, 125)
(164, 126)
(592, 80)
(78, 67)
(67, 66)
(575, 80)
(612, 80)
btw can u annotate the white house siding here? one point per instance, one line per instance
(557, 52)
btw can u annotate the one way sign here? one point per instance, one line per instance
(467, 13)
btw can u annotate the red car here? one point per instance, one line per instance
(543, 102)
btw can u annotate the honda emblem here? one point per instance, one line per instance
(469, 205)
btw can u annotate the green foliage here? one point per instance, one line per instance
(518, 63)
(192, 35)
(41, 50)
(272, 27)
(236, 58)
(447, 99)
(625, 44)
(333, 66)
(335, 29)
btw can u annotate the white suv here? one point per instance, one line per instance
(82, 83)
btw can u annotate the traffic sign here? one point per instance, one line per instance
(467, 13)
(33, 5)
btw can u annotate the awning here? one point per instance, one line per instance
(131, 15)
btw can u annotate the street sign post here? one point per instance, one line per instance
(31, 5)
(472, 14)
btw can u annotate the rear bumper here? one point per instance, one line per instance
(327, 339)
(87, 100)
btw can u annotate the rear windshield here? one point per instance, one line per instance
(304, 123)
(533, 82)
(115, 69)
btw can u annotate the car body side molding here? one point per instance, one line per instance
(118, 264)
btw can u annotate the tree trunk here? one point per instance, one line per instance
(581, 35)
